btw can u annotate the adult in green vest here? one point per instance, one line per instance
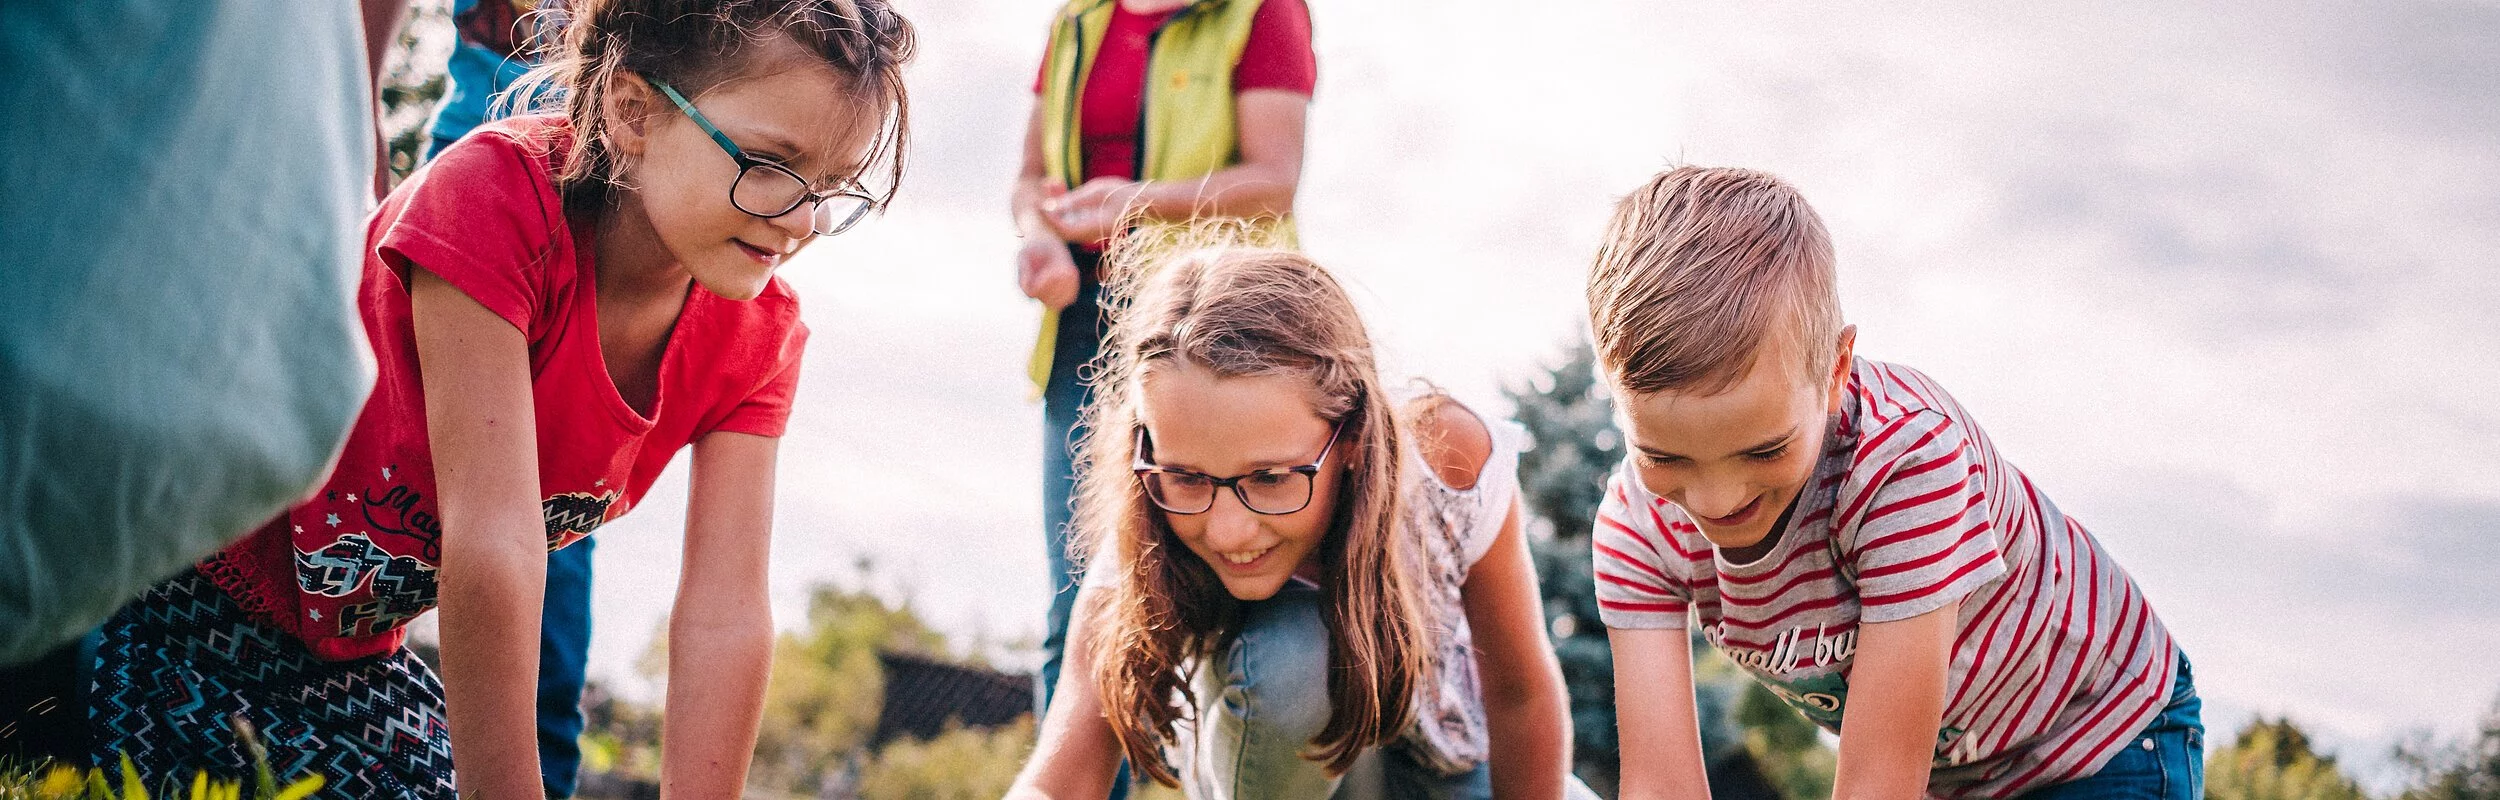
(1168, 109)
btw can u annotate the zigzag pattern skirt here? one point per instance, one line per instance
(181, 663)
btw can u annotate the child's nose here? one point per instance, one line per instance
(800, 223)
(1230, 524)
(1716, 499)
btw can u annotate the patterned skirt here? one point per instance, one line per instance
(180, 664)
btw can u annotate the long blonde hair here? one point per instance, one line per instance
(1214, 299)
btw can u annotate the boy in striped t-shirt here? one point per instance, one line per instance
(1845, 533)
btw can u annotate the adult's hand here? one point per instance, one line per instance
(1094, 211)
(1046, 272)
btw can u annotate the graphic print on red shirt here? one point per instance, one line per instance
(347, 570)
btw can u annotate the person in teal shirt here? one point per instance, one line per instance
(181, 212)
(496, 40)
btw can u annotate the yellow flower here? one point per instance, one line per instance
(60, 783)
(132, 787)
(302, 789)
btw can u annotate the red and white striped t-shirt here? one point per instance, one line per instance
(2059, 660)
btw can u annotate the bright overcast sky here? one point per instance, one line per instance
(2220, 279)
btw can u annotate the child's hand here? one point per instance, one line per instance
(1046, 272)
(1094, 211)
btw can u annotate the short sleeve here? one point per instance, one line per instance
(1496, 490)
(1925, 539)
(1640, 570)
(1278, 54)
(766, 411)
(485, 217)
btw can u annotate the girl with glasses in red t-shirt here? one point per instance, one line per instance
(558, 304)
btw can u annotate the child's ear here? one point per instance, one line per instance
(1841, 365)
(626, 108)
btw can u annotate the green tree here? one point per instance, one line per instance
(1561, 480)
(960, 764)
(2467, 770)
(827, 687)
(1787, 747)
(414, 82)
(821, 707)
(2274, 759)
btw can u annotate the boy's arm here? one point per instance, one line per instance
(1078, 756)
(720, 632)
(1526, 710)
(1896, 705)
(483, 431)
(1659, 732)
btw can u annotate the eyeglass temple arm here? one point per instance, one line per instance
(697, 116)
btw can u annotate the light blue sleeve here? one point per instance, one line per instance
(477, 78)
(182, 187)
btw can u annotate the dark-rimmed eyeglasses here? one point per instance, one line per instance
(1274, 491)
(770, 190)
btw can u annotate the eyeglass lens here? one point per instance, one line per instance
(766, 190)
(1264, 492)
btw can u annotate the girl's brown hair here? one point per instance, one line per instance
(694, 45)
(1214, 301)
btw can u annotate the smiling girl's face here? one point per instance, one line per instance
(791, 108)
(1222, 426)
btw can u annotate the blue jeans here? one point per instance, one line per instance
(563, 654)
(2166, 761)
(1064, 399)
(1266, 697)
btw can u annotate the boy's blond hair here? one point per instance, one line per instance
(1702, 267)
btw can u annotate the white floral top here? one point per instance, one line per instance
(1457, 527)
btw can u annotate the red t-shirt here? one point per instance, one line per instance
(1277, 56)
(346, 570)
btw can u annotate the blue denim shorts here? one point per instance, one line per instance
(2165, 761)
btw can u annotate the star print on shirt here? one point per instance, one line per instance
(333, 520)
(386, 473)
(316, 614)
(351, 498)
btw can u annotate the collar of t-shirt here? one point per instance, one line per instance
(1840, 441)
